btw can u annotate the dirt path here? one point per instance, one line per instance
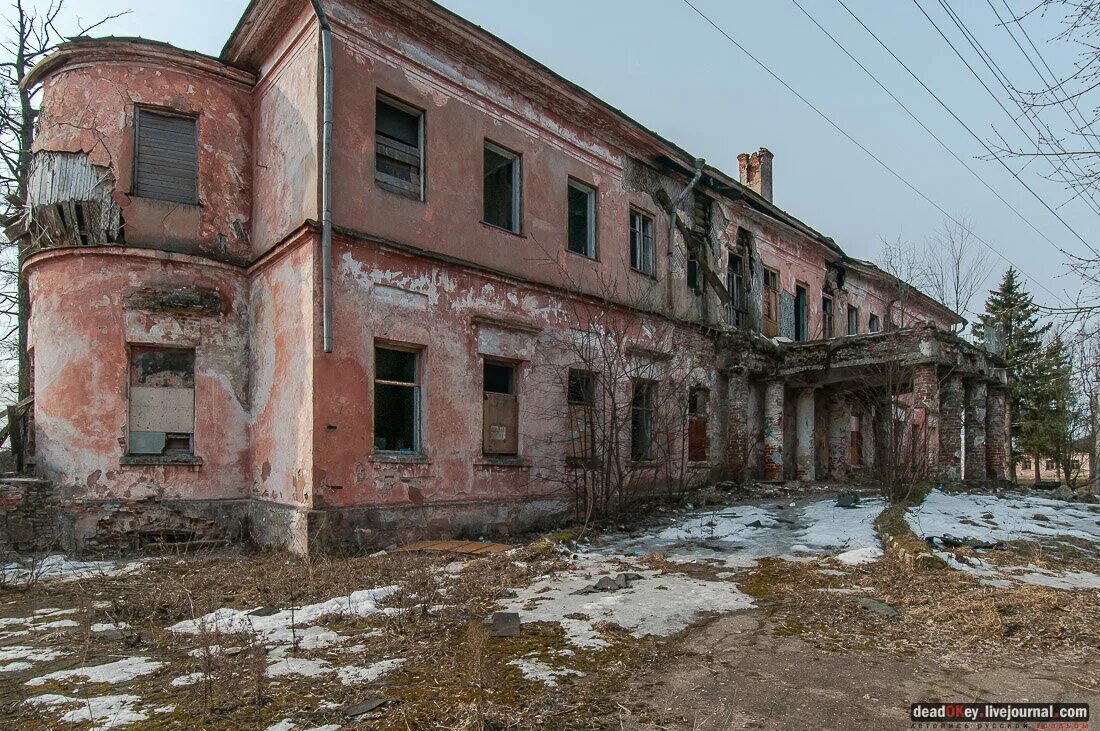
(737, 673)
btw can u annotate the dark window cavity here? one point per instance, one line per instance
(872, 324)
(582, 219)
(396, 400)
(502, 188)
(853, 320)
(166, 156)
(581, 395)
(827, 317)
(698, 399)
(643, 400)
(641, 242)
(399, 148)
(800, 313)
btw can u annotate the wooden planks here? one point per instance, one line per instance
(470, 548)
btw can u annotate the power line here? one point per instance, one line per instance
(1002, 78)
(964, 125)
(862, 147)
(923, 126)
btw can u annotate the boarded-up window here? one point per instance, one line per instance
(396, 400)
(166, 156)
(771, 303)
(643, 422)
(399, 148)
(582, 414)
(698, 399)
(501, 409)
(162, 401)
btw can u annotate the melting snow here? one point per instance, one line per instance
(63, 568)
(1008, 518)
(105, 712)
(119, 671)
(535, 669)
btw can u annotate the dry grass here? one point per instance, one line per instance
(946, 612)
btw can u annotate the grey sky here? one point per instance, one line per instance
(660, 63)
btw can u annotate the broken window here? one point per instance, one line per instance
(872, 324)
(399, 148)
(698, 399)
(855, 443)
(643, 400)
(166, 156)
(800, 318)
(162, 401)
(502, 188)
(641, 242)
(771, 303)
(582, 219)
(853, 320)
(396, 400)
(827, 317)
(694, 280)
(500, 409)
(582, 414)
(737, 309)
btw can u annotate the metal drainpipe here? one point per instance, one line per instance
(699, 164)
(326, 178)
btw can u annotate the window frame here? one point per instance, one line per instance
(649, 408)
(874, 325)
(698, 411)
(828, 317)
(853, 320)
(591, 234)
(418, 399)
(140, 109)
(517, 186)
(587, 405)
(382, 97)
(512, 367)
(649, 263)
(773, 292)
(166, 456)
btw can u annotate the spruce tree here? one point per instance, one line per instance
(1012, 315)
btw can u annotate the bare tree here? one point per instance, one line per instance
(32, 34)
(952, 272)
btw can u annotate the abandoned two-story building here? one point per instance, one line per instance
(367, 274)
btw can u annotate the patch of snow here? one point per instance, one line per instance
(355, 675)
(119, 671)
(298, 666)
(57, 624)
(284, 725)
(859, 556)
(105, 712)
(108, 626)
(185, 680)
(58, 567)
(30, 654)
(657, 604)
(535, 669)
(14, 667)
(280, 628)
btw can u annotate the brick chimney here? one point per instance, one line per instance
(756, 171)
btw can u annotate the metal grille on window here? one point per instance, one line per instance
(166, 157)
(398, 145)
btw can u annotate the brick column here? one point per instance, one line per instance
(926, 403)
(737, 438)
(805, 429)
(773, 430)
(951, 411)
(996, 433)
(975, 430)
(840, 436)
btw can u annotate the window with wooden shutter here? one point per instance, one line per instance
(162, 401)
(771, 303)
(399, 148)
(698, 399)
(166, 156)
(501, 409)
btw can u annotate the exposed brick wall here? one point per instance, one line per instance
(737, 434)
(28, 514)
(926, 401)
(951, 410)
(996, 433)
(773, 430)
(975, 430)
